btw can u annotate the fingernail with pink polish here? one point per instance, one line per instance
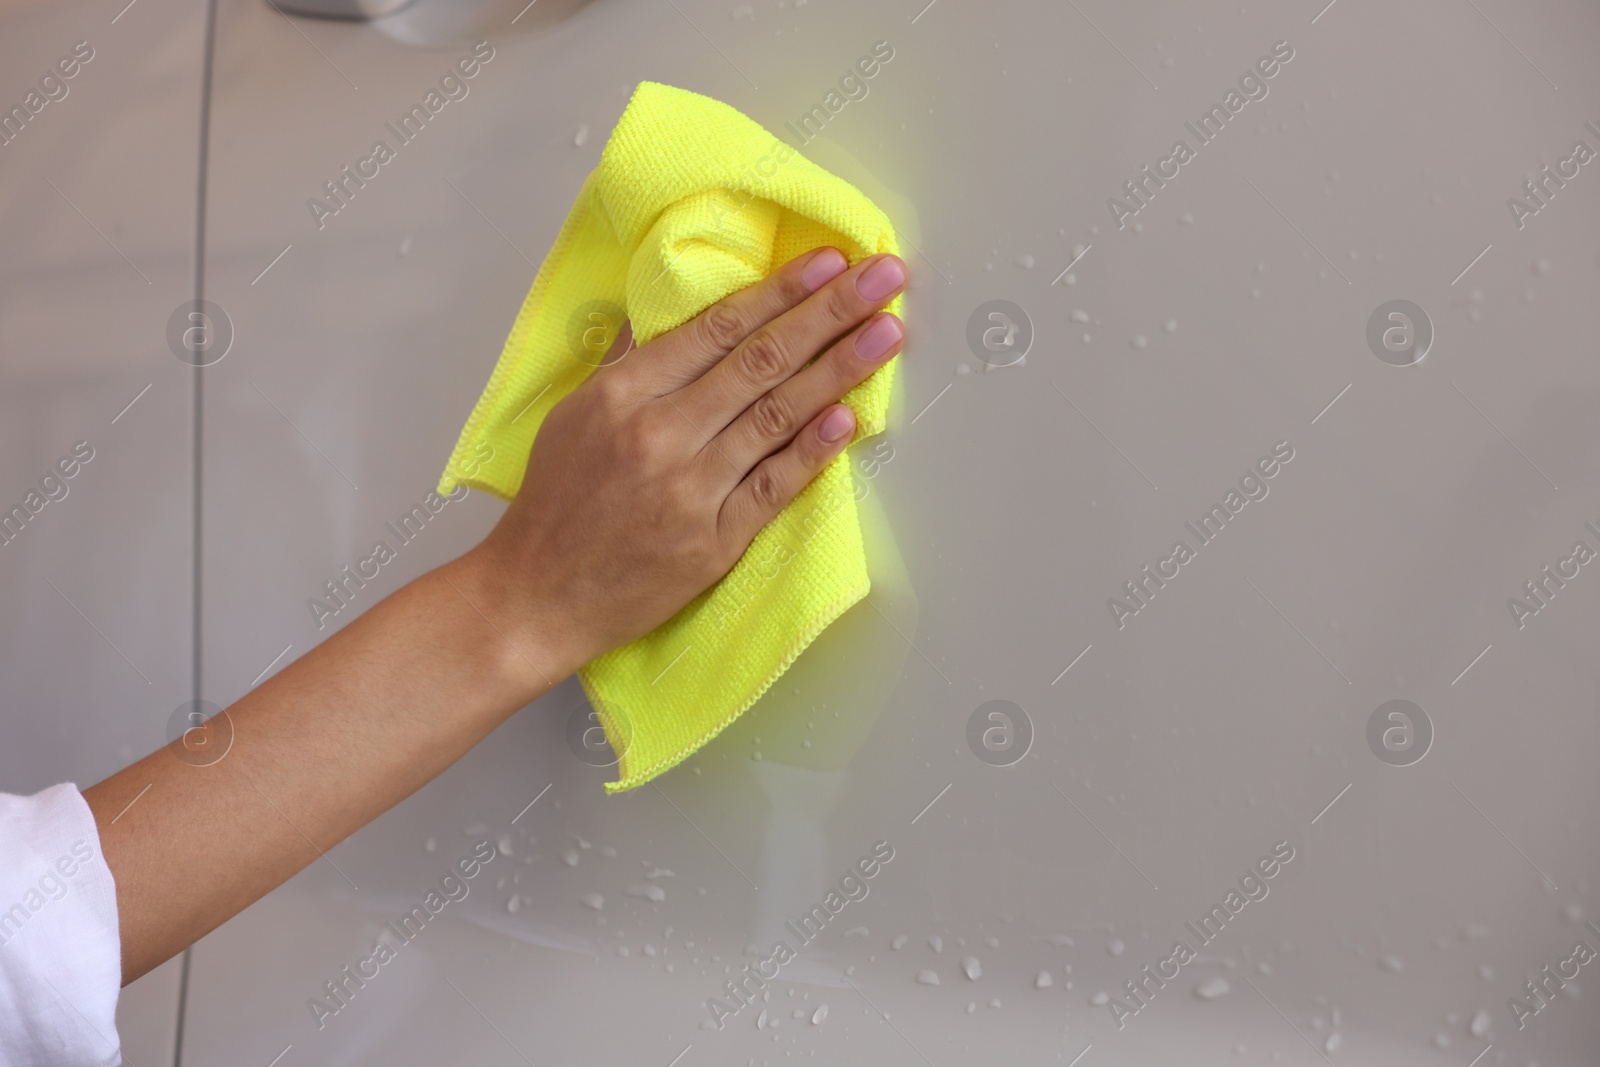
(840, 421)
(823, 268)
(879, 336)
(881, 279)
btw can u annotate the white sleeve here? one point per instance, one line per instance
(60, 955)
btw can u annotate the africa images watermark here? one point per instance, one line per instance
(1252, 487)
(1142, 188)
(53, 487)
(342, 588)
(743, 989)
(453, 85)
(52, 886)
(1540, 190)
(1541, 989)
(1541, 590)
(53, 87)
(853, 87)
(1252, 888)
(452, 888)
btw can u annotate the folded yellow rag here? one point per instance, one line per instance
(692, 201)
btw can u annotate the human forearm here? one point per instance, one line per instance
(331, 742)
(644, 486)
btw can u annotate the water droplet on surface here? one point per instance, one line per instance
(1212, 988)
(1043, 981)
(1391, 962)
(581, 137)
(1333, 1042)
(936, 943)
(1115, 946)
(1139, 341)
(927, 977)
(856, 931)
(899, 942)
(430, 844)
(594, 901)
(971, 968)
(1171, 326)
(1100, 999)
(1024, 261)
(648, 892)
(819, 1016)
(570, 857)
(1080, 315)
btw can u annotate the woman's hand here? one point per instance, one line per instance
(644, 487)
(647, 483)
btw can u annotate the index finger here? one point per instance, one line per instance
(682, 355)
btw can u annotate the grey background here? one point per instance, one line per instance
(1228, 715)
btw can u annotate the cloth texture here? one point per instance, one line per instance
(60, 949)
(691, 201)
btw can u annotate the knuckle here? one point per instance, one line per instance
(841, 306)
(772, 417)
(763, 359)
(766, 489)
(721, 326)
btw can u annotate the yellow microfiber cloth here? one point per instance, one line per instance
(692, 201)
